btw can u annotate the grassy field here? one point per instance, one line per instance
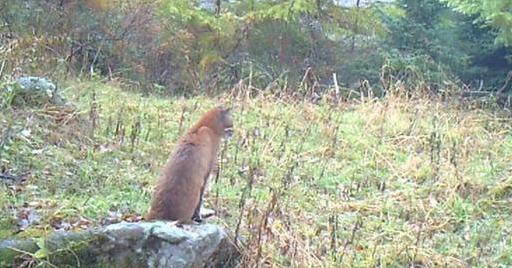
(366, 183)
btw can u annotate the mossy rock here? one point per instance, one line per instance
(145, 244)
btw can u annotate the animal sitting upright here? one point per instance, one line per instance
(179, 192)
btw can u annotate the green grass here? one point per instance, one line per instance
(387, 182)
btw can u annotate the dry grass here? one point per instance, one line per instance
(370, 183)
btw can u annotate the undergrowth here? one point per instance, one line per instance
(391, 182)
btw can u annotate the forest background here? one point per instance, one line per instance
(208, 46)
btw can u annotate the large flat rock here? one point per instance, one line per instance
(143, 244)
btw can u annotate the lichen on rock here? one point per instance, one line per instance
(143, 244)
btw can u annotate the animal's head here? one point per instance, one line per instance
(219, 119)
(226, 120)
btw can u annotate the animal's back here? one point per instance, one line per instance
(178, 194)
(178, 190)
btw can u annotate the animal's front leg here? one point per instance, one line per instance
(197, 212)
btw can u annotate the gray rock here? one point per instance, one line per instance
(144, 244)
(38, 90)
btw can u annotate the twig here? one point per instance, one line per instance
(336, 86)
(357, 226)
(32, 255)
(481, 85)
(333, 220)
(241, 204)
(182, 117)
(217, 175)
(8, 177)
(5, 138)
(507, 80)
(306, 73)
(417, 245)
(2, 69)
(98, 51)
(263, 225)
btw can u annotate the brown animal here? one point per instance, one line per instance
(179, 192)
